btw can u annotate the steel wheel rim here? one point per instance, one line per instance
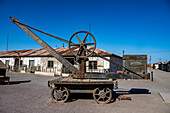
(102, 95)
(60, 94)
(82, 43)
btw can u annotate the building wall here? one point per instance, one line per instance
(156, 66)
(41, 64)
(44, 64)
(11, 62)
(102, 65)
(27, 59)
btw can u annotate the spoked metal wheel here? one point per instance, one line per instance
(102, 95)
(81, 39)
(60, 94)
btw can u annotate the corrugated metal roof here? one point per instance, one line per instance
(2, 65)
(42, 52)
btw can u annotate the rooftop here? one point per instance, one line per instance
(43, 53)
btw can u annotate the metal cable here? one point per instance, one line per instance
(66, 41)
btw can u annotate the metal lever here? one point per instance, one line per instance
(45, 45)
(14, 20)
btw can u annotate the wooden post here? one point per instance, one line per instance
(152, 76)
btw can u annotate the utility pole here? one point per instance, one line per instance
(123, 61)
(150, 63)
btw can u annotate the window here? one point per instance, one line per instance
(31, 63)
(50, 64)
(21, 62)
(92, 64)
(71, 60)
(16, 62)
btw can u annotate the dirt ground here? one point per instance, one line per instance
(29, 93)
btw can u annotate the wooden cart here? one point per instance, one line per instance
(102, 88)
(3, 76)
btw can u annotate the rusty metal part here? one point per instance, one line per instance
(79, 74)
(82, 44)
(82, 54)
(102, 95)
(45, 45)
(82, 65)
(60, 94)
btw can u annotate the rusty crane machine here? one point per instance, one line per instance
(80, 80)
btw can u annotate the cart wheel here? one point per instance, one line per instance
(60, 94)
(102, 95)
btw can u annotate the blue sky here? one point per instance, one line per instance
(135, 26)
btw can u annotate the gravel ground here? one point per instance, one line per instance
(29, 93)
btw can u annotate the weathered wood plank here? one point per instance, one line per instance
(70, 80)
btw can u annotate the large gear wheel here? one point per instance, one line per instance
(82, 44)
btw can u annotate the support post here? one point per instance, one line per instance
(152, 76)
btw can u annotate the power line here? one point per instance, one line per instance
(150, 52)
(147, 52)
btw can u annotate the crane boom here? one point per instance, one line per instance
(48, 48)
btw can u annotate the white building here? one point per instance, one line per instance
(42, 62)
(156, 65)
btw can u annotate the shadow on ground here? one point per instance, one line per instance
(14, 82)
(76, 96)
(133, 91)
(116, 94)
